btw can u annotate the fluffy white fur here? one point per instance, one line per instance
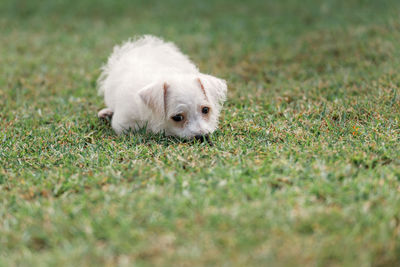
(146, 82)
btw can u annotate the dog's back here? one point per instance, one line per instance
(140, 61)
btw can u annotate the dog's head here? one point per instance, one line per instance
(188, 106)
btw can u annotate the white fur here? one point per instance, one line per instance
(134, 81)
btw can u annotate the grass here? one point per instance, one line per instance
(305, 168)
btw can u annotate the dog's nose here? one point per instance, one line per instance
(202, 138)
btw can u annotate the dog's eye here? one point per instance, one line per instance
(205, 110)
(178, 117)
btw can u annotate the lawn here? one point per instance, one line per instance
(305, 166)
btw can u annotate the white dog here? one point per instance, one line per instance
(150, 83)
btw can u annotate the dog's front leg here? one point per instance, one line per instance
(119, 123)
(105, 113)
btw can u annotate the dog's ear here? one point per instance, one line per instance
(155, 96)
(213, 88)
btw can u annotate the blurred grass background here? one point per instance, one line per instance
(305, 166)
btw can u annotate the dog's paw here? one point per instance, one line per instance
(105, 113)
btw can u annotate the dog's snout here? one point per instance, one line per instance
(203, 138)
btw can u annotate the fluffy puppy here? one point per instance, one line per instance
(149, 83)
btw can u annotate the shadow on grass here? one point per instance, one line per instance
(143, 137)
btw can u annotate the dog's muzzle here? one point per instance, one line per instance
(203, 138)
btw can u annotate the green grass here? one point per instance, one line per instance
(305, 168)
